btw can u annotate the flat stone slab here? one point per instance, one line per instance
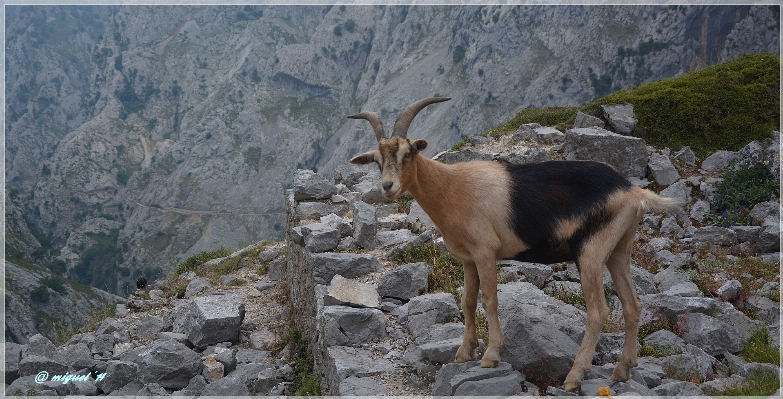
(343, 291)
(343, 362)
(627, 154)
(328, 264)
(361, 386)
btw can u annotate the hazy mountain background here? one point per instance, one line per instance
(137, 136)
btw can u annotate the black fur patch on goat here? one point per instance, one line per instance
(547, 193)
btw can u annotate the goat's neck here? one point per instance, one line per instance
(432, 187)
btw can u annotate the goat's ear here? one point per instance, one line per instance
(362, 159)
(419, 145)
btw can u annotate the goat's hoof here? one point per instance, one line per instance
(486, 363)
(621, 375)
(572, 385)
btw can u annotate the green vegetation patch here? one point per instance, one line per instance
(758, 349)
(191, 264)
(721, 107)
(739, 191)
(306, 382)
(447, 274)
(757, 383)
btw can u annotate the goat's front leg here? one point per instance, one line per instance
(467, 351)
(487, 275)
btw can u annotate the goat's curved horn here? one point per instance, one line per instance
(407, 115)
(375, 121)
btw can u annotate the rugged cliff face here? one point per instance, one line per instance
(140, 135)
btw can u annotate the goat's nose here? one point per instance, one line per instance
(388, 185)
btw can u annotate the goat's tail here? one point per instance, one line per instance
(652, 202)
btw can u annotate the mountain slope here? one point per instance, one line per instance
(140, 135)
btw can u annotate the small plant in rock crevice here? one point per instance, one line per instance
(758, 349)
(757, 383)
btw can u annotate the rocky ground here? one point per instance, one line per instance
(375, 328)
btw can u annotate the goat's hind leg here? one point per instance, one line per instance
(467, 351)
(619, 267)
(591, 274)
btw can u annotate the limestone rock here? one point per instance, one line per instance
(215, 318)
(628, 154)
(620, 117)
(405, 282)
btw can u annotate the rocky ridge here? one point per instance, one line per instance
(375, 329)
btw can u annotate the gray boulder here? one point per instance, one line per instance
(694, 363)
(762, 210)
(441, 332)
(349, 265)
(643, 281)
(215, 318)
(350, 174)
(427, 310)
(470, 379)
(343, 291)
(769, 236)
(678, 388)
(549, 135)
(679, 191)
(765, 309)
(343, 362)
(118, 374)
(388, 238)
(320, 237)
(169, 364)
(342, 325)
(532, 343)
(609, 348)
(746, 233)
(672, 307)
(685, 289)
(529, 155)
(32, 365)
(361, 386)
(38, 345)
(226, 387)
(627, 154)
(662, 170)
(718, 160)
(317, 210)
(686, 155)
(535, 273)
(441, 352)
(585, 120)
(525, 131)
(150, 326)
(730, 290)
(76, 356)
(369, 189)
(404, 282)
(711, 334)
(365, 224)
(419, 219)
(699, 209)
(196, 286)
(620, 117)
(714, 235)
(718, 386)
(464, 156)
(309, 185)
(665, 341)
(13, 354)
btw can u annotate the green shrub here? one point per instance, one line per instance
(40, 294)
(739, 191)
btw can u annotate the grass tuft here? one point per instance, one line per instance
(447, 274)
(758, 349)
(191, 264)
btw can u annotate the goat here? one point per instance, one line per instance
(548, 212)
